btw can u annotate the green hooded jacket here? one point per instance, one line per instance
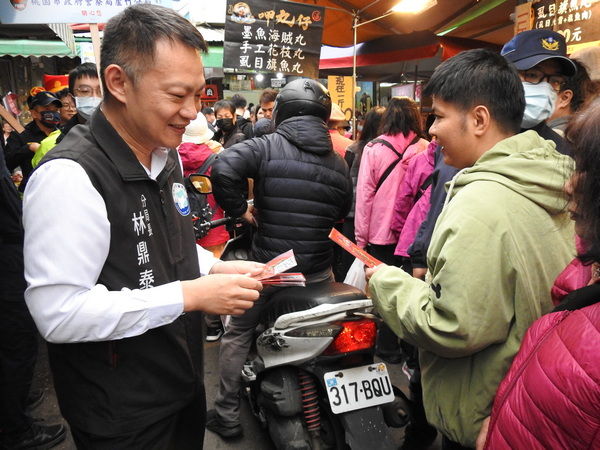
(499, 243)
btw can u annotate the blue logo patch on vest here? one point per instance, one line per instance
(181, 199)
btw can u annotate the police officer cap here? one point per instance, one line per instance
(530, 48)
(43, 98)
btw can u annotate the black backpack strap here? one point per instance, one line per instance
(387, 144)
(387, 173)
(207, 163)
(426, 183)
(395, 163)
(580, 298)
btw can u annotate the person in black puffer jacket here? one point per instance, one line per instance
(301, 188)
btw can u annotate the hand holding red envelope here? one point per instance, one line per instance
(273, 275)
(353, 249)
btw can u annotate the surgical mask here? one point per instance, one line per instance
(87, 105)
(50, 119)
(225, 124)
(539, 103)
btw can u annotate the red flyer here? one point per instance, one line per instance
(272, 272)
(353, 249)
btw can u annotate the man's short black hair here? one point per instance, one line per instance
(130, 38)
(268, 95)
(238, 101)
(224, 104)
(62, 93)
(481, 77)
(87, 69)
(207, 110)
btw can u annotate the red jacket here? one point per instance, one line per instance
(192, 157)
(550, 397)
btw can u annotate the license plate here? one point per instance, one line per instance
(359, 387)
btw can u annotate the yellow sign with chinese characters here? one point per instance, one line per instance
(340, 89)
(577, 20)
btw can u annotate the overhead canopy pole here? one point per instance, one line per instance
(355, 24)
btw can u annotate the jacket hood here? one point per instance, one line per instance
(526, 164)
(309, 133)
(193, 155)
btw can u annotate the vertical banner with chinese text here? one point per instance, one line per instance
(577, 20)
(340, 89)
(272, 36)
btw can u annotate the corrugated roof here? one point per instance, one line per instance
(212, 34)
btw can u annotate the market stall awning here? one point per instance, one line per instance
(32, 47)
(486, 20)
(39, 33)
(390, 49)
(396, 58)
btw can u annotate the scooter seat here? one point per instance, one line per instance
(294, 299)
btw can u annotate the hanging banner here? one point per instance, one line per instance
(66, 11)
(340, 89)
(577, 20)
(272, 36)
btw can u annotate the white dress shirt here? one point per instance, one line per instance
(67, 239)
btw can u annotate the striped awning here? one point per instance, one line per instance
(33, 47)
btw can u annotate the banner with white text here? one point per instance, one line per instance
(272, 36)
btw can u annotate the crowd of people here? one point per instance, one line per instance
(484, 215)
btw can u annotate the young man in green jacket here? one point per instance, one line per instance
(501, 239)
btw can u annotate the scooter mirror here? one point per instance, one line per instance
(201, 183)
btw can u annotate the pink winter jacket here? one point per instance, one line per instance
(374, 211)
(550, 397)
(574, 276)
(409, 212)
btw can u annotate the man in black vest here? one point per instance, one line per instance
(111, 260)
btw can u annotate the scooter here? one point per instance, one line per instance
(311, 378)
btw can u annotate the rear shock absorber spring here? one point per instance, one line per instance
(310, 402)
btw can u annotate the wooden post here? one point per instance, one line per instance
(11, 119)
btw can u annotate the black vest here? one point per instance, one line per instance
(108, 388)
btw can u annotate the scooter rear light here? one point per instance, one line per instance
(326, 330)
(355, 335)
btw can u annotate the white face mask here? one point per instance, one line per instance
(87, 105)
(539, 103)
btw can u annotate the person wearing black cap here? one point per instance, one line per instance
(540, 58)
(20, 148)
